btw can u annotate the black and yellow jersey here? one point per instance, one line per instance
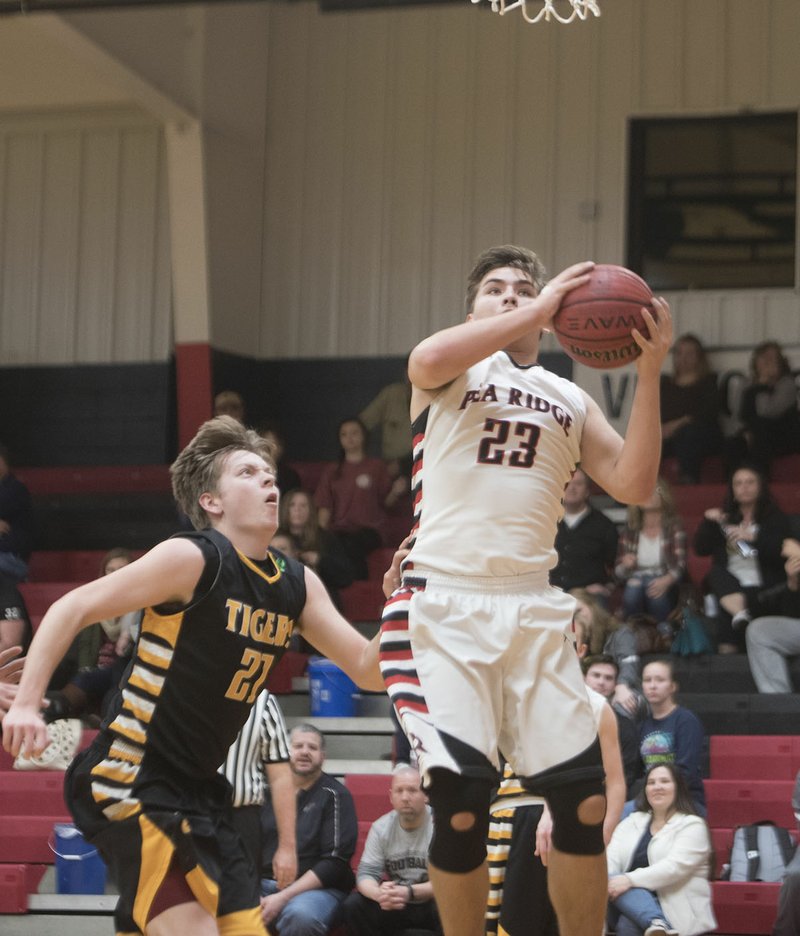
(195, 674)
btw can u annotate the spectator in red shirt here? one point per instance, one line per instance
(353, 495)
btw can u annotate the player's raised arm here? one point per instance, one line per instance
(169, 572)
(323, 626)
(628, 468)
(440, 358)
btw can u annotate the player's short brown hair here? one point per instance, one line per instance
(520, 258)
(198, 467)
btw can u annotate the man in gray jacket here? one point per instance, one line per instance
(393, 892)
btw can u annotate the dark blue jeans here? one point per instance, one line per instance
(632, 912)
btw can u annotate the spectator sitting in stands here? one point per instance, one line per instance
(286, 477)
(101, 652)
(16, 522)
(353, 495)
(315, 547)
(586, 543)
(393, 892)
(326, 834)
(659, 862)
(744, 539)
(768, 410)
(671, 734)
(229, 403)
(391, 411)
(652, 557)
(690, 409)
(607, 634)
(15, 622)
(600, 673)
(773, 639)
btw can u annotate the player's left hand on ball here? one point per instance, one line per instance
(657, 344)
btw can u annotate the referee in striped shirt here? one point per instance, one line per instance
(257, 766)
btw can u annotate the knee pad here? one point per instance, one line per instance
(453, 850)
(570, 834)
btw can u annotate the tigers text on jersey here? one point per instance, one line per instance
(492, 454)
(197, 672)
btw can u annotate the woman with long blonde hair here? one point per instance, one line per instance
(652, 556)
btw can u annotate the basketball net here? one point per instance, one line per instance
(564, 11)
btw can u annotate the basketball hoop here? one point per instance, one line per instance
(564, 11)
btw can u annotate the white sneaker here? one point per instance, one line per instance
(740, 620)
(660, 928)
(65, 737)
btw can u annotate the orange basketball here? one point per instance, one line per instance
(594, 322)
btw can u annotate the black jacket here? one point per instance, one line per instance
(327, 833)
(586, 552)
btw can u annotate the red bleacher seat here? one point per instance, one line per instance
(31, 792)
(721, 841)
(13, 888)
(96, 479)
(28, 839)
(745, 907)
(67, 565)
(16, 882)
(745, 757)
(739, 802)
(40, 595)
(281, 675)
(371, 795)
(363, 832)
(785, 469)
(362, 601)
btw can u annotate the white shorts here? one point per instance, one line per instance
(490, 663)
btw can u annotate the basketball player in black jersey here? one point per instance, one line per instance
(220, 609)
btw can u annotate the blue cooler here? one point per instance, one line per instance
(332, 691)
(79, 867)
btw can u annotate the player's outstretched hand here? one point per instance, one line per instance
(655, 347)
(24, 730)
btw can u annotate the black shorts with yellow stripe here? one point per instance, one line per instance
(171, 825)
(518, 903)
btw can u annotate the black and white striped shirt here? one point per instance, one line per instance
(263, 740)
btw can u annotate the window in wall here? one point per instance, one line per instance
(713, 201)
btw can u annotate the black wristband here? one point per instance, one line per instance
(410, 892)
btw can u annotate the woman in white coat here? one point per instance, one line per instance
(659, 860)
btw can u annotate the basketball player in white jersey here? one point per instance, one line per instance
(474, 647)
